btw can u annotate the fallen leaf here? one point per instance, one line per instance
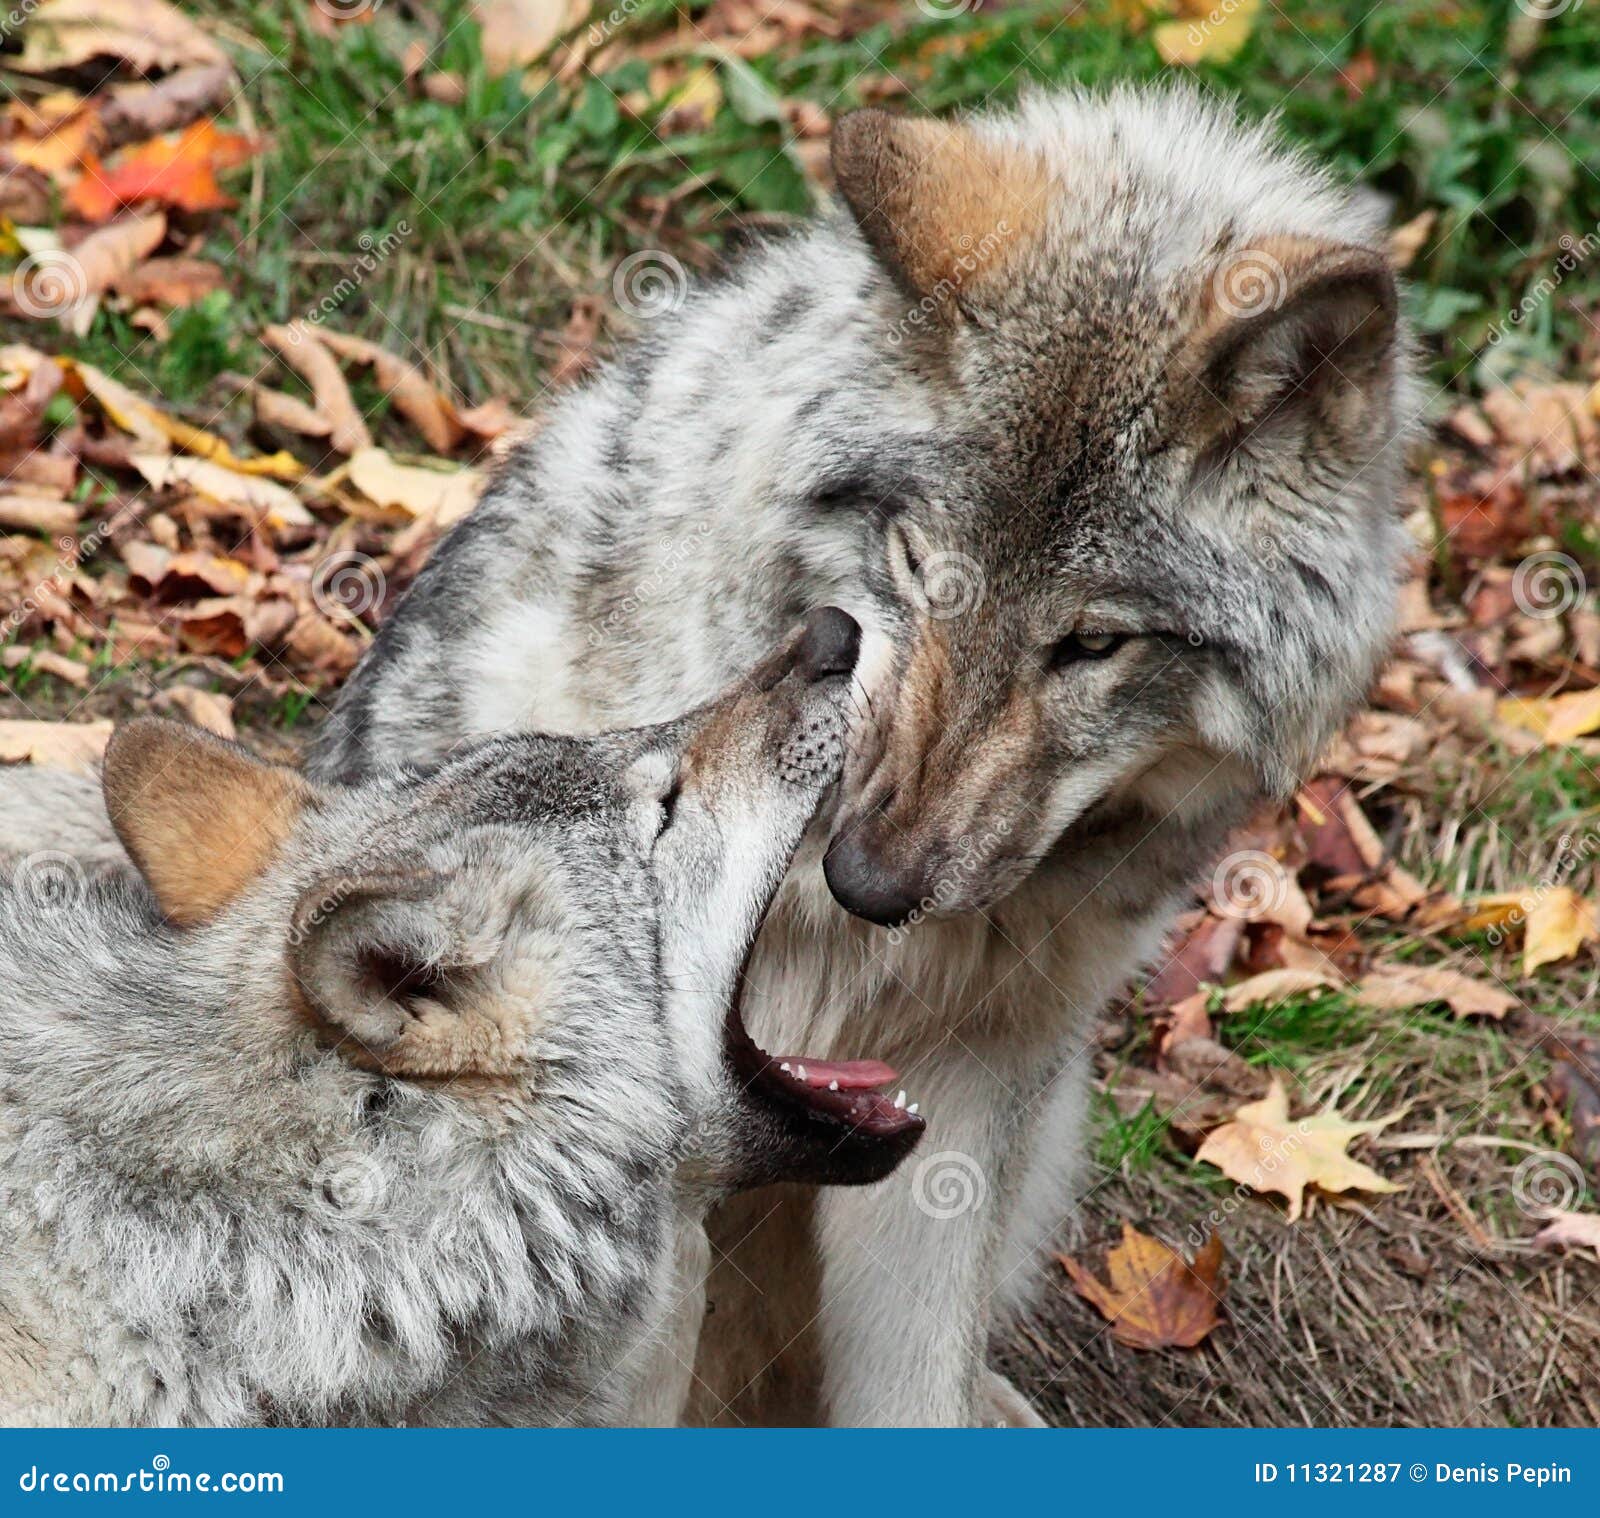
(438, 496)
(1398, 988)
(303, 350)
(38, 514)
(67, 283)
(1549, 426)
(56, 147)
(1408, 240)
(1559, 923)
(46, 661)
(1556, 719)
(515, 33)
(61, 745)
(150, 36)
(413, 395)
(1153, 1297)
(277, 408)
(170, 281)
(1213, 36)
(263, 499)
(1570, 1230)
(178, 171)
(137, 111)
(1273, 986)
(205, 708)
(1263, 1149)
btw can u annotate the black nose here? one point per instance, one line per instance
(862, 886)
(829, 644)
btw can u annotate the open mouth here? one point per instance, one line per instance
(838, 1122)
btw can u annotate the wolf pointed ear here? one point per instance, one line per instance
(1289, 329)
(939, 205)
(199, 816)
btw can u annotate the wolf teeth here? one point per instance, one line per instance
(911, 1111)
(900, 1101)
(833, 1085)
(800, 1070)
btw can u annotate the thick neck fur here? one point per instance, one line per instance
(210, 1218)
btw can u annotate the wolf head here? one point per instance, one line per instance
(1145, 556)
(552, 927)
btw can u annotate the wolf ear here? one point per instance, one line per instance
(939, 205)
(373, 957)
(199, 816)
(1290, 329)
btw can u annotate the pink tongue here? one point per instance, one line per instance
(851, 1074)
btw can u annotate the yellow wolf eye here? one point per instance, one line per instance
(1088, 644)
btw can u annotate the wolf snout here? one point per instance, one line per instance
(866, 884)
(828, 646)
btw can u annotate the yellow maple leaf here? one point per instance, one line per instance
(1211, 38)
(1559, 923)
(1267, 1151)
(1556, 719)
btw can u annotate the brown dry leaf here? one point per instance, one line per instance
(516, 33)
(1570, 1230)
(67, 284)
(170, 281)
(137, 111)
(33, 513)
(205, 708)
(437, 496)
(303, 350)
(277, 408)
(62, 745)
(1272, 986)
(1408, 240)
(253, 495)
(489, 419)
(1550, 425)
(1153, 1297)
(1267, 1151)
(407, 386)
(1560, 922)
(46, 661)
(150, 36)
(1200, 956)
(55, 144)
(1398, 988)
(1556, 719)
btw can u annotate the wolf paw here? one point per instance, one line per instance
(1001, 1405)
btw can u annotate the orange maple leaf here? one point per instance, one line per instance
(177, 171)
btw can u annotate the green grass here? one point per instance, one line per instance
(527, 192)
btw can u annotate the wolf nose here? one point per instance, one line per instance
(863, 887)
(829, 644)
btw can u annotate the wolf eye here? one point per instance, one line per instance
(669, 807)
(1087, 644)
(902, 556)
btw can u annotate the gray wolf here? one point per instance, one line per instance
(1091, 412)
(403, 1101)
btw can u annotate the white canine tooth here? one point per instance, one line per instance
(784, 1067)
(833, 1085)
(900, 1101)
(912, 1109)
(800, 1070)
